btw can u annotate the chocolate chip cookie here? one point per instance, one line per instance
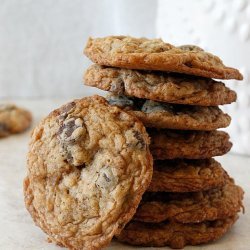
(13, 119)
(173, 234)
(187, 175)
(164, 115)
(154, 54)
(171, 144)
(218, 203)
(160, 86)
(88, 167)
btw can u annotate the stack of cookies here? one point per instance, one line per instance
(191, 199)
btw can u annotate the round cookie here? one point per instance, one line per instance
(13, 119)
(171, 144)
(154, 54)
(160, 86)
(187, 175)
(173, 234)
(164, 115)
(88, 166)
(191, 207)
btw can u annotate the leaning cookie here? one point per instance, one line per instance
(172, 144)
(160, 86)
(154, 54)
(173, 234)
(88, 166)
(13, 119)
(187, 175)
(194, 207)
(163, 115)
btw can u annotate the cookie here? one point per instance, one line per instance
(164, 115)
(171, 144)
(160, 86)
(88, 166)
(194, 207)
(154, 54)
(13, 119)
(173, 234)
(187, 175)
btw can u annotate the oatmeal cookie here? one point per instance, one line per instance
(172, 116)
(13, 119)
(173, 234)
(171, 144)
(160, 86)
(194, 207)
(88, 166)
(187, 175)
(154, 54)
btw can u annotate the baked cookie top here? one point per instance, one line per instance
(88, 167)
(172, 116)
(194, 207)
(172, 144)
(13, 119)
(155, 54)
(173, 234)
(187, 175)
(160, 86)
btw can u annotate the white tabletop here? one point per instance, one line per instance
(17, 229)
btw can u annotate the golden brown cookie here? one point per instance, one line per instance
(173, 234)
(154, 54)
(194, 207)
(160, 86)
(13, 119)
(164, 115)
(187, 175)
(171, 144)
(88, 167)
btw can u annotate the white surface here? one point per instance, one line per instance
(17, 229)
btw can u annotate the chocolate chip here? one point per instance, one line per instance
(106, 177)
(140, 141)
(120, 101)
(152, 106)
(69, 128)
(66, 108)
(71, 135)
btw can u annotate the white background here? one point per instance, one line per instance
(41, 43)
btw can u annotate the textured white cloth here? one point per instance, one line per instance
(41, 43)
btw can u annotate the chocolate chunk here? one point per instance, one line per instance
(106, 177)
(120, 101)
(140, 142)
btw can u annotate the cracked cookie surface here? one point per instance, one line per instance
(172, 116)
(171, 144)
(173, 234)
(160, 86)
(187, 175)
(88, 167)
(194, 207)
(154, 54)
(13, 119)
